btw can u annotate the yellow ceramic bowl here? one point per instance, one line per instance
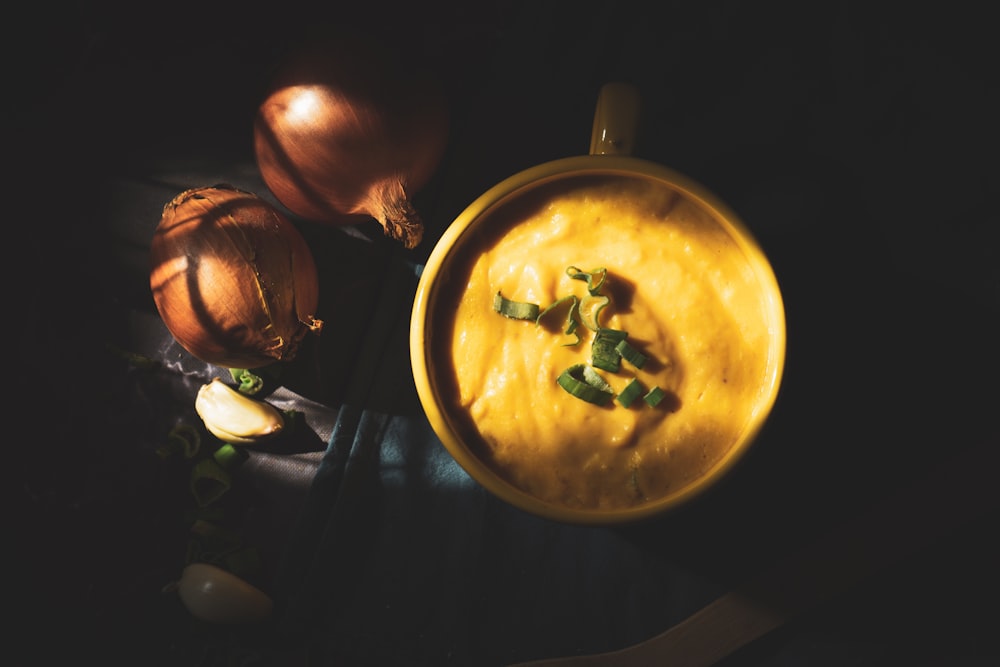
(437, 299)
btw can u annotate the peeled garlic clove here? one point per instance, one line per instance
(219, 596)
(234, 417)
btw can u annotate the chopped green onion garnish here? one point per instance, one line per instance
(632, 391)
(571, 321)
(630, 354)
(591, 306)
(584, 383)
(515, 310)
(229, 457)
(609, 346)
(250, 383)
(209, 482)
(654, 396)
(595, 279)
(594, 379)
(603, 352)
(182, 438)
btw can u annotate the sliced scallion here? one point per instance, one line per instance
(229, 457)
(250, 383)
(591, 306)
(594, 379)
(630, 354)
(654, 396)
(209, 482)
(585, 383)
(594, 279)
(608, 348)
(603, 351)
(571, 316)
(632, 391)
(183, 439)
(515, 310)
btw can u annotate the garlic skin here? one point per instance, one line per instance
(234, 417)
(219, 596)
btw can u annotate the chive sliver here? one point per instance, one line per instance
(583, 382)
(229, 457)
(632, 391)
(594, 279)
(603, 350)
(654, 396)
(630, 354)
(209, 481)
(515, 310)
(250, 383)
(590, 310)
(571, 321)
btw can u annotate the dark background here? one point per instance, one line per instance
(857, 140)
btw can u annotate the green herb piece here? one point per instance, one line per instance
(209, 482)
(630, 354)
(250, 383)
(585, 383)
(654, 396)
(603, 352)
(183, 439)
(571, 312)
(595, 278)
(515, 310)
(632, 391)
(229, 457)
(591, 306)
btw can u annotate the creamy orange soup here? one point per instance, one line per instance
(679, 286)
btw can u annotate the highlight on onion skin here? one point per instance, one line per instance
(232, 278)
(349, 131)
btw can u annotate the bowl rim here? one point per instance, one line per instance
(529, 179)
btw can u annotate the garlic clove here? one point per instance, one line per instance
(219, 596)
(234, 417)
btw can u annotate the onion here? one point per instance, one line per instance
(345, 132)
(232, 278)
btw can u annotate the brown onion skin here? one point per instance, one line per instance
(232, 278)
(373, 136)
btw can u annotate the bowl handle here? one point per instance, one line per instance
(615, 120)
